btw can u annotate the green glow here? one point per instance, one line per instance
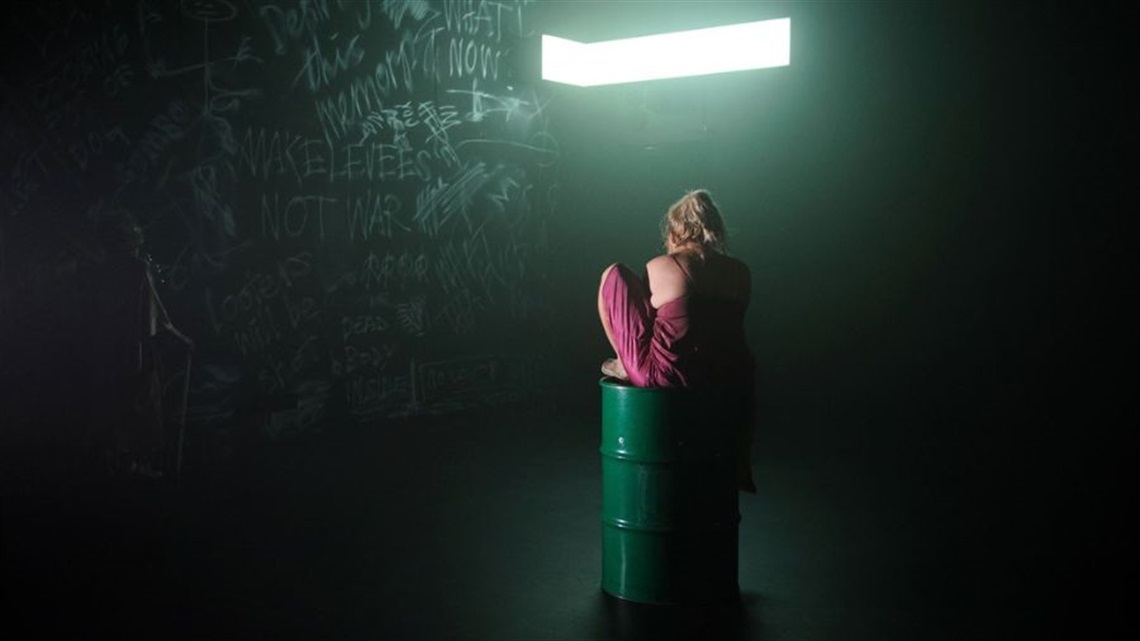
(749, 45)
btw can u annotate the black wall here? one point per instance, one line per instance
(347, 203)
(939, 205)
(938, 202)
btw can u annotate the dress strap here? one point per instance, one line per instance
(688, 276)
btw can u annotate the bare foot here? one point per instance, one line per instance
(613, 367)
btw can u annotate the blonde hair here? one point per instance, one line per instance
(694, 219)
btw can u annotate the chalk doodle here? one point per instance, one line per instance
(472, 381)
(412, 316)
(320, 71)
(397, 10)
(439, 204)
(348, 203)
(306, 416)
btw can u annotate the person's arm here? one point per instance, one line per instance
(666, 280)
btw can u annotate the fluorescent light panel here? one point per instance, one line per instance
(749, 45)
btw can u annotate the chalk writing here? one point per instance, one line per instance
(95, 143)
(472, 381)
(372, 357)
(263, 155)
(368, 395)
(352, 326)
(257, 290)
(383, 272)
(303, 309)
(396, 10)
(99, 57)
(374, 215)
(483, 17)
(319, 70)
(296, 216)
(279, 372)
(459, 376)
(295, 22)
(468, 58)
(342, 197)
(342, 111)
(24, 179)
(259, 333)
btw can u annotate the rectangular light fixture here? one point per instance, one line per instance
(735, 47)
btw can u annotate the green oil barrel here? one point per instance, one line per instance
(670, 510)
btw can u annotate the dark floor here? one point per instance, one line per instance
(488, 528)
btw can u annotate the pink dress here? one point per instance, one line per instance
(692, 341)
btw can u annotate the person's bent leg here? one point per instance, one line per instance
(603, 309)
(611, 366)
(627, 317)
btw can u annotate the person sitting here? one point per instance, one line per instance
(683, 326)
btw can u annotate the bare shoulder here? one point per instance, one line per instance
(661, 265)
(666, 280)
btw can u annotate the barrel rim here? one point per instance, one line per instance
(625, 387)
